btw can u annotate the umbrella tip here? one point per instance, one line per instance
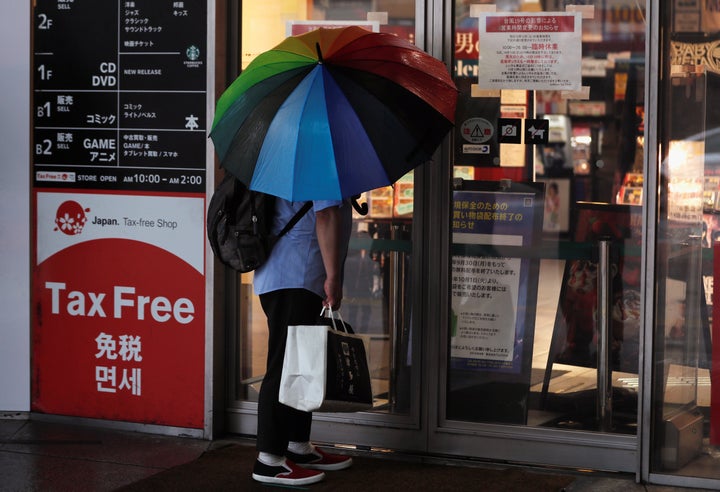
(319, 52)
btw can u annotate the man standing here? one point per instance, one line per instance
(303, 274)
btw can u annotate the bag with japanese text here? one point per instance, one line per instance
(326, 368)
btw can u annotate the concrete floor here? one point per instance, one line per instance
(43, 456)
(60, 455)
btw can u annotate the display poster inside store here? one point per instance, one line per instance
(530, 50)
(119, 166)
(577, 305)
(489, 293)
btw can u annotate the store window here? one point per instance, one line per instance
(528, 344)
(685, 422)
(377, 271)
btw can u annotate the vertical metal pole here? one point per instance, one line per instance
(393, 290)
(604, 372)
(693, 303)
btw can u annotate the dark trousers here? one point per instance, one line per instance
(278, 423)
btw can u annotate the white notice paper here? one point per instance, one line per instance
(530, 51)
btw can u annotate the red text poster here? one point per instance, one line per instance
(530, 51)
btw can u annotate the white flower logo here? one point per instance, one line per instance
(70, 218)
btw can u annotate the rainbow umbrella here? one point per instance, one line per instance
(333, 113)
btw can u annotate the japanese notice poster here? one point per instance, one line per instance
(489, 293)
(530, 51)
(120, 106)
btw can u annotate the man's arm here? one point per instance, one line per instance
(328, 228)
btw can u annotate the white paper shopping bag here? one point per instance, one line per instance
(325, 370)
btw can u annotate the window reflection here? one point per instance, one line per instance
(592, 170)
(682, 423)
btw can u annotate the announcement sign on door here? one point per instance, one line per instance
(530, 51)
(489, 294)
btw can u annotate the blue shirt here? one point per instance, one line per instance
(295, 261)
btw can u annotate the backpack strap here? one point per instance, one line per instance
(298, 215)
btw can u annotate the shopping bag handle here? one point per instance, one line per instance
(328, 312)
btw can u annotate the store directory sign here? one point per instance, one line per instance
(120, 94)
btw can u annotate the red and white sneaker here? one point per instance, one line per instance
(320, 460)
(286, 474)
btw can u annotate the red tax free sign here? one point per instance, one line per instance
(119, 304)
(529, 23)
(119, 334)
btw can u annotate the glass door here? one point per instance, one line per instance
(541, 331)
(381, 271)
(681, 418)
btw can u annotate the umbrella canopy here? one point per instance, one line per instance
(333, 113)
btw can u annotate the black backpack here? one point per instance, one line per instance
(238, 224)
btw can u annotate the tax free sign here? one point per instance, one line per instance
(119, 307)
